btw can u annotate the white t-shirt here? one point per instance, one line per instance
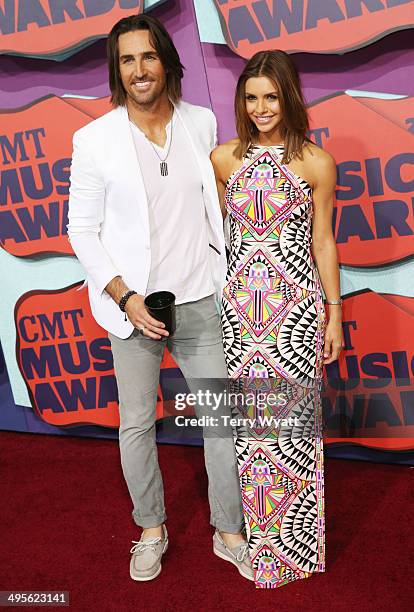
(177, 216)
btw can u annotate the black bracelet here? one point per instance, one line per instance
(124, 299)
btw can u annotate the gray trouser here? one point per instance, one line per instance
(198, 350)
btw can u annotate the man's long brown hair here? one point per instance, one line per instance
(162, 43)
(278, 67)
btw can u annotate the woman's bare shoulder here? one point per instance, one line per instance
(315, 156)
(225, 150)
(320, 166)
(224, 159)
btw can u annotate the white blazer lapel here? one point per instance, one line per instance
(207, 176)
(128, 165)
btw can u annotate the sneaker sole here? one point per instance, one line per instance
(218, 553)
(157, 573)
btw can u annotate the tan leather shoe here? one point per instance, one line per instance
(239, 555)
(146, 557)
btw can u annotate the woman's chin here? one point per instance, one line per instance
(265, 128)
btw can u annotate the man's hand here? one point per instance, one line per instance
(136, 310)
(142, 320)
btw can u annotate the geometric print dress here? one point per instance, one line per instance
(273, 323)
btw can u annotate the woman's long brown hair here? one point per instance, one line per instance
(278, 67)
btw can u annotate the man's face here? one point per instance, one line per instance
(142, 73)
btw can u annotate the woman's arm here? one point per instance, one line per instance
(219, 161)
(324, 247)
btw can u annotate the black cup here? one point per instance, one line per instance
(161, 306)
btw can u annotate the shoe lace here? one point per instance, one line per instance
(145, 545)
(243, 552)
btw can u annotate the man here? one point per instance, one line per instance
(144, 216)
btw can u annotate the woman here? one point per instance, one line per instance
(277, 188)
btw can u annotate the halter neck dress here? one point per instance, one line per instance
(273, 330)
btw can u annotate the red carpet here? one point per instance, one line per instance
(66, 525)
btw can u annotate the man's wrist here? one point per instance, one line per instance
(124, 299)
(117, 288)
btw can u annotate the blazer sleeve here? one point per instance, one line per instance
(86, 214)
(213, 142)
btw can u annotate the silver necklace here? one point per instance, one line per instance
(163, 161)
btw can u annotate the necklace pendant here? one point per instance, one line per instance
(164, 168)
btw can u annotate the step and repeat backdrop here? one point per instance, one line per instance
(355, 58)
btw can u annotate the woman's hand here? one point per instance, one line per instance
(334, 340)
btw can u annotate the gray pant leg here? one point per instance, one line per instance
(137, 363)
(198, 349)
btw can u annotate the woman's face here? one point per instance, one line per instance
(262, 104)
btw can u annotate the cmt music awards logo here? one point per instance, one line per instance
(369, 392)
(319, 26)
(35, 153)
(66, 361)
(43, 27)
(65, 358)
(372, 143)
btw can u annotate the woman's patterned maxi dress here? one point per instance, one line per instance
(273, 326)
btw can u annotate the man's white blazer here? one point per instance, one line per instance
(108, 208)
